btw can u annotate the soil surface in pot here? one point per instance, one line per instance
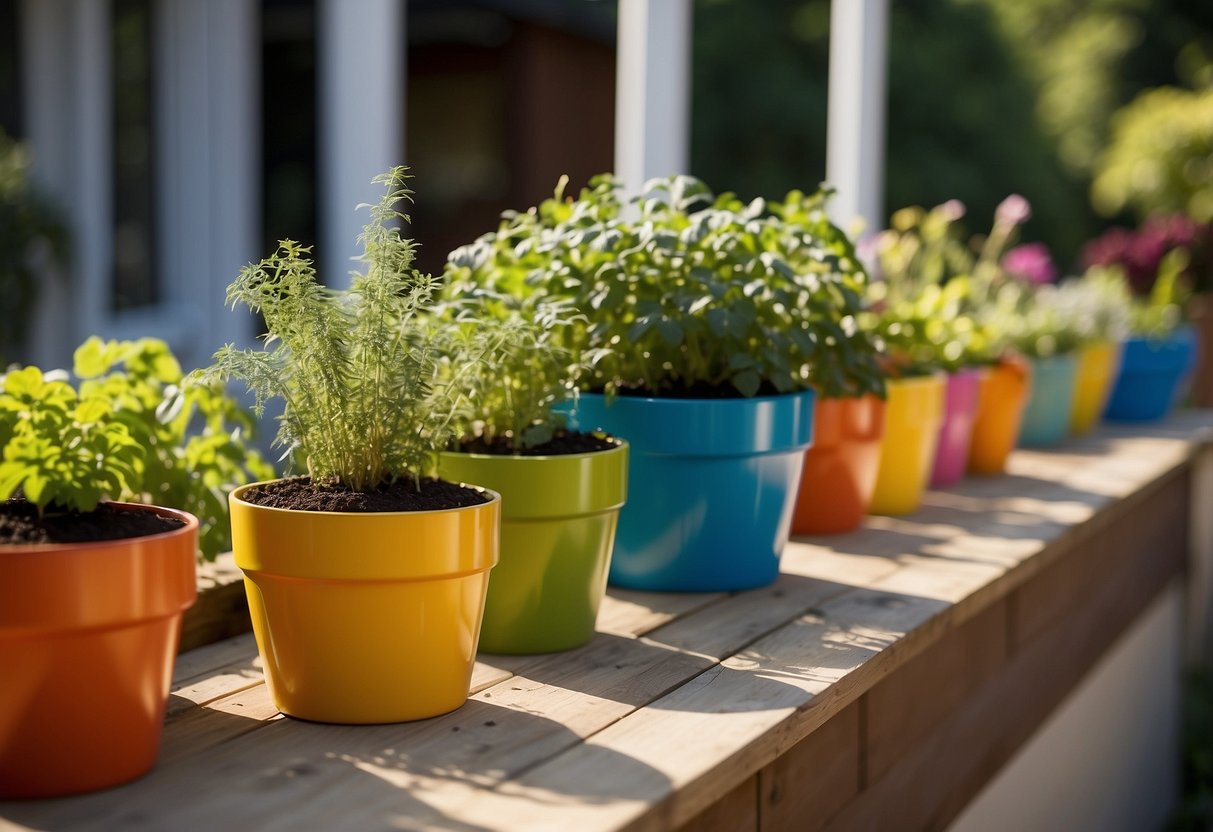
(301, 494)
(562, 443)
(698, 390)
(20, 523)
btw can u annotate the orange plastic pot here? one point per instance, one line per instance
(88, 632)
(1000, 406)
(913, 415)
(840, 469)
(366, 617)
(1098, 364)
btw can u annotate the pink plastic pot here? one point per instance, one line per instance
(960, 411)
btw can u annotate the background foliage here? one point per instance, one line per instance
(986, 98)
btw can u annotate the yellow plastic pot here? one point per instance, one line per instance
(913, 416)
(366, 617)
(1098, 364)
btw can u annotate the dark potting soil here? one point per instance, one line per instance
(20, 523)
(699, 390)
(301, 494)
(562, 443)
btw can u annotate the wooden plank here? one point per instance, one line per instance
(737, 811)
(628, 612)
(645, 732)
(910, 702)
(221, 609)
(812, 780)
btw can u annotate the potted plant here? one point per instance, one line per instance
(561, 490)
(366, 576)
(708, 323)
(1160, 354)
(928, 321)
(92, 592)
(1097, 308)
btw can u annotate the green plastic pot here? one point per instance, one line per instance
(558, 518)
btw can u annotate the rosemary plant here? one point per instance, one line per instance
(358, 370)
(510, 398)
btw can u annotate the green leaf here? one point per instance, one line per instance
(747, 382)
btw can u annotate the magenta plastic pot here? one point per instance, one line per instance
(960, 411)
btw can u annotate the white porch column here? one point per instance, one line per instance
(361, 67)
(855, 140)
(208, 170)
(652, 90)
(67, 101)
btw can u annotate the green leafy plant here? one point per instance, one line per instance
(1162, 311)
(685, 292)
(509, 397)
(933, 284)
(132, 429)
(358, 370)
(1096, 306)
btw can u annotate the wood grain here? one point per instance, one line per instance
(686, 709)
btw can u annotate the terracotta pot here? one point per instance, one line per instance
(840, 469)
(1000, 405)
(366, 617)
(88, 632)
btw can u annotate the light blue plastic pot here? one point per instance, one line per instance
(711, 487)
(1152, 376)
(1046, 419)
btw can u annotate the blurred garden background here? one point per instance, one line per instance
(1099, 112)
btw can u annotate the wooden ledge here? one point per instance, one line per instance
(800, 698)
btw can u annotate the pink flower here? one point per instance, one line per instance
(952, 210)
(1014, 210)
(1031, 263)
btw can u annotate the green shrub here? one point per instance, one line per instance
(125, 434)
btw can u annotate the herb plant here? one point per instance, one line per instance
(688, 292)
(358, 370)
(125, 433)
(510, 397)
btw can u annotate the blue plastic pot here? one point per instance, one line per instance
(1152, 375)
(711, 487)
(1046, 418)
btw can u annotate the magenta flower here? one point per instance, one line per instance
(1031, 263)
(1014, 210)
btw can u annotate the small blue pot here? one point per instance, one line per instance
(1152, 376)
(1046, 418)
(712, 485)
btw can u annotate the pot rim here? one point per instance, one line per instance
(190, 524)
(675, 401)
(494, 497)
(620, 445)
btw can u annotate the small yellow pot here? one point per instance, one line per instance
(366, 617)
(1098, 364)
(913, 416)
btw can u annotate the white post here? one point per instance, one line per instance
(207, 175)
(855, 139)
(361, 54)
(67, 95)
(652, 90)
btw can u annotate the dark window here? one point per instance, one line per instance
(135, 282)
(289, 119)
(10, 68)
